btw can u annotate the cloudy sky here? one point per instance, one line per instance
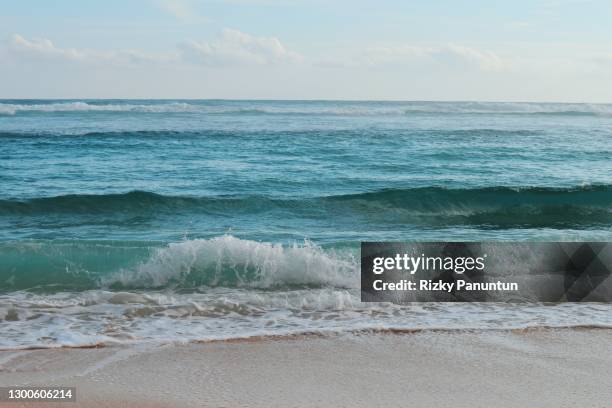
(537, 50)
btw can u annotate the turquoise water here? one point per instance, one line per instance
(247, 215)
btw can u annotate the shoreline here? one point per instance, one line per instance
(316, 334)
(543, 367)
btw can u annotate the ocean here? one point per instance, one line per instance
(154, 221)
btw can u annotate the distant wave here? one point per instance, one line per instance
(253, 133)
(93, 203)
(493, 206)
(513, 108)
(12, 109)
(308, 108)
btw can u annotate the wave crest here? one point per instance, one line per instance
(230, 261)
(223, 261)
(496, 206)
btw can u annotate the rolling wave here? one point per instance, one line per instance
(133, 201)
(254, 133)
(494, 206)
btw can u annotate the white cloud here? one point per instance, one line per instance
(44, 48)
(445, 54)
(485, 60)
(235, 47)
(231, 48)
(182, 10)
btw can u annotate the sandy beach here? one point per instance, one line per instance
(539, 368)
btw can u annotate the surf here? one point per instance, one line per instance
(224, 261)
(520, 207)
(299, 108)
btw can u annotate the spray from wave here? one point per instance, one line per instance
(232, 262)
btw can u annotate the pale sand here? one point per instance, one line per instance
(541, 368)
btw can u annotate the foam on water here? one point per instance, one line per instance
(349, 108)
(12, 109)
(105, 318)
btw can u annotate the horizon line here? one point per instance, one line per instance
(306, 100)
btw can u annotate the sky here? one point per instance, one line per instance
(538, 50)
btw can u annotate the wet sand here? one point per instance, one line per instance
(539, 368)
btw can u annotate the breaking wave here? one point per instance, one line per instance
(350, 108)
(79, 106)
(224, 261)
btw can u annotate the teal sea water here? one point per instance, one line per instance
(141, 220)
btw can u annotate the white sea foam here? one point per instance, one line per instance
(296, 108)
(243, 263)
(98, 317)
(12, 109)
